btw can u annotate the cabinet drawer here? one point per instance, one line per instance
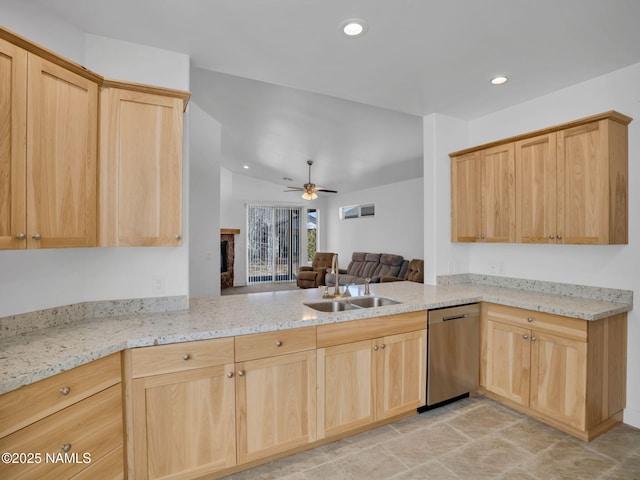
(91, 429)
(270, 344)
(178, 357)
(30, 403)
(109, 467)
(573, 328)
(347, 332)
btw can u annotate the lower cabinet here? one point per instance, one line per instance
(181, 414)
(568, 372)
(275, 404)
(66, 426)
(364, 381)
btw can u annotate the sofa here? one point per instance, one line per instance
(365, 265)
(415, 273)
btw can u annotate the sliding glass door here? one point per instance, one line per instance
(273, 243)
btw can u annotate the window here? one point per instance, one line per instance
(357, 211)
(273, 243)
(312, 233)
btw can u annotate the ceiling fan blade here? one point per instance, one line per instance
(295, 190)
(325, 190)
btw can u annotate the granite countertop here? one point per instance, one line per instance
(31, 356)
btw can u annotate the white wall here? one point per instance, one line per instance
(614, 266)
(397, 227)
(32, 280)
(237, 191)
(204, 201)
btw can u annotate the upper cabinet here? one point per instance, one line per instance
(48, 153)
(140, 165)
(54, 191)
(483, 195)
(571, 185)
(13, 152)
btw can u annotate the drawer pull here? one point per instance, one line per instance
(65, 390)
(66, 447)
(529, 319)
(186, 357)
(278, 343)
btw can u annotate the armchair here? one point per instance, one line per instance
(313, 276)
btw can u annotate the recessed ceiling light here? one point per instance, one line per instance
(246, 167)
(499, 80)
(354, 27)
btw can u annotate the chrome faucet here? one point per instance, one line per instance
(335, 269)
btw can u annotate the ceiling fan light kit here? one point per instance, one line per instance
(309, 189)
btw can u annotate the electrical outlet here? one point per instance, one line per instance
(157, 284)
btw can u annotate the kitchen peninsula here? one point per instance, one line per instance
(578, 314)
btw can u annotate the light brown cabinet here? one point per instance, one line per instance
(363, 380)
(141, 131)
(483, 195)
(48, 158)
(567, 372)
(275, 392)
(181, 414)
(75, 415)
(571, 185)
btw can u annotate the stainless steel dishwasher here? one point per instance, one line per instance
(453, 352)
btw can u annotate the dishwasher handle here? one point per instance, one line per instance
(455, 317)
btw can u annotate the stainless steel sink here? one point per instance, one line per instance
(351, 304)
(368, 302)
(333, 306)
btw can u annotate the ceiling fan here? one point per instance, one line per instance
(309, 189)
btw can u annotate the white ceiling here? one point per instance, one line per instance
(418, 57)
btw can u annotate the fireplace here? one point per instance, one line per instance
(227, 254)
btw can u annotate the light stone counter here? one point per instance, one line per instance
(31, 356)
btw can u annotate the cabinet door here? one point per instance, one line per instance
(275, 404)
(13, 132)
(508, 358)
(498, 194)
(559, 378)
(400, 373)
(62, 112)
(583, 177)
(346, 380)
(184, 423)
(465, 198)
(140, 169)
(536, 189)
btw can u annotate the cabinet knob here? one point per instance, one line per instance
(375, 347)
(559, 237)
(529, 319)
(65, 390)
(186, 356)
(278, 343)
(525, 336)
(37, 236)
(533, 339)
(21, 236)
(178, 237)
(382, 345)
(241, 373)
(66, 447)
(229, 374)
(477, 237)
(552, 236)
(482, 237)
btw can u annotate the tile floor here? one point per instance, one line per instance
(475, 438)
